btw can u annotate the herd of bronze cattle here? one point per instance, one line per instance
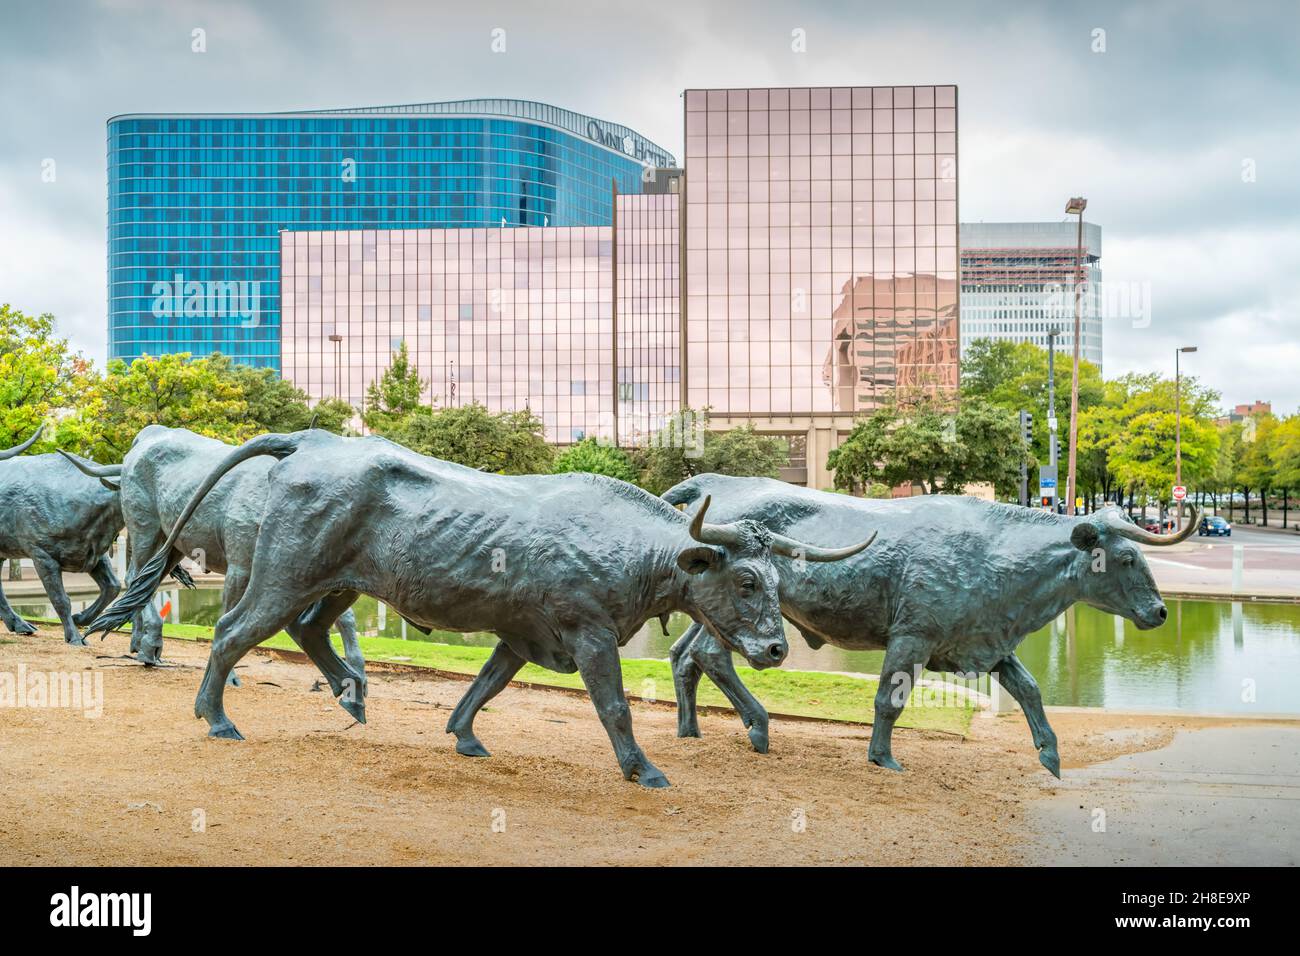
(564, 569)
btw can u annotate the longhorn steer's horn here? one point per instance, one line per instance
(810, 552)
(19, 449)
(88, 467)
(729, 534)
(1131, 531)
(723, 534)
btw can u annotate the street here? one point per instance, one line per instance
(1271, 564)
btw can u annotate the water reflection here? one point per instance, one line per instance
(1209, 657)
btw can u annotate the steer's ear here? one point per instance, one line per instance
(699, 559)
(1085, 536)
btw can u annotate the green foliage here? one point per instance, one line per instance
(589, 455)
(929, 444)
(395, 396)
(174, 391)
(1284, 451)
(277, 405)
(509, 443)
(1013, 376)
(41, 381)
(686, 446)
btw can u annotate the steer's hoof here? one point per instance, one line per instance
(887, 761)
(758, 737)
(653, 779)
(354, 707)
(226, 731)
(1049, 758)
(23, 628)
(690, 730)
(77, 641)
(149, 656)
(470, 747)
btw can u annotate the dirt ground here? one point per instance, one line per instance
(309, 786)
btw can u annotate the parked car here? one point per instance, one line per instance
(1214, 525)
(1156, 526)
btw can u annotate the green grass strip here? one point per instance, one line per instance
(782, 691)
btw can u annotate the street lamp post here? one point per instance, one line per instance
(1178, 425)
(1075, 206)
(1051, 413)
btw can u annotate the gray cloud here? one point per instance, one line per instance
(1154, 130)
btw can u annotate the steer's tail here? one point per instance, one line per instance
(150, 575)
(683, 493)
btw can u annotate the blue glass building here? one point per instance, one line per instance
(196, 202)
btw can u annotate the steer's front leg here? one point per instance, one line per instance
(711, 655)
(596, 654)
(904, 658)
(686, 680)
(51, 575)
(1020, 684)
(10, 617)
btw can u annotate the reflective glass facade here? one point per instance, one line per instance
(821, 247)
(196, 203)
(509, 318)
(1017, 284)
(649, 313)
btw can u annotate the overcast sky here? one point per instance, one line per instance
(1180, 123)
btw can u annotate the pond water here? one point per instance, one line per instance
(1208, 657)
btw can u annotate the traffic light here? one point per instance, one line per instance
(1027, 427)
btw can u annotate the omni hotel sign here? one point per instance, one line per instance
(631, 145)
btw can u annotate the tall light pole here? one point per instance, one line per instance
(1178, 425)
(1051, 413)
(1075, 206)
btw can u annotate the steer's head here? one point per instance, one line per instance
(732, 587)
(1118, 579)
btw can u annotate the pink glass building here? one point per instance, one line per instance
(799, 271)
(821, 256)
(509, 317)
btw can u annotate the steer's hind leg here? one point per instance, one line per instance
(686, 680)
(716, 662)
(1020, 684)
(499, 670)
(347, 625)
(51, 575)
(109, 588)
(237, 632)
(12, 621)
(596, 653)
(311, 630)
(904, 658)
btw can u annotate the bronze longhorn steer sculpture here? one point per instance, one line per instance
(159, 475)
(563, 568)
(63, 521)
(954, 584)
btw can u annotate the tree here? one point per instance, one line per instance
(396, 394)
(1013, 376)
(510, 443)
(169, 390)
(42, 382)
(686, 446)
(276, 404)
(931, 445)
(591, 456)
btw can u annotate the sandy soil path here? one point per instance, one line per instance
(307, 788)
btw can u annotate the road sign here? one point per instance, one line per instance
(1047, 481)
(1180, 492)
